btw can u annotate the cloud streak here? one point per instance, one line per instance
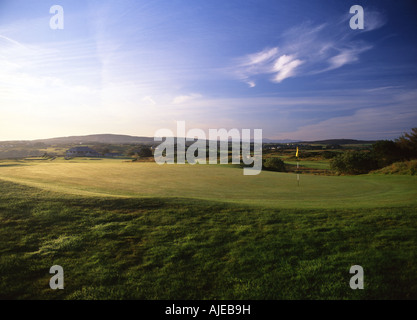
(308, 49)
(186, 98)
(268, 61)
(285, 67)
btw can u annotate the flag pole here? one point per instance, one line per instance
(298, 175)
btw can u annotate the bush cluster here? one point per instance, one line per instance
(354, 162)
(383, 153)
(274, 164)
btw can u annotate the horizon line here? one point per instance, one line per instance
(149, 137)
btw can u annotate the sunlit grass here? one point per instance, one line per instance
(212, 182)
(188, 249)
(124, 230)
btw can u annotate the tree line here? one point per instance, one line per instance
(382, 154)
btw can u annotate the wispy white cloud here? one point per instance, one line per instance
(256, 63)
(12, 41)
(308, 49)
(251, 84)
(285, 67)
(186, 98)
(258, 58)
(345, 56)
(149, 100)
(268, 61)
(341, 59)
(374, 20)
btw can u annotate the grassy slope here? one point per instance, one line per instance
(178, 248)
(403, 167)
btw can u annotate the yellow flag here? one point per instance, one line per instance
(296, 154)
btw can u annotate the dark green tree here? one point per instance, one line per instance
(408, 144)
(386, 152)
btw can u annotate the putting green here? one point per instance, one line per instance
(212, 182)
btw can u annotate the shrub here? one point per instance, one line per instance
(329, 154)
(275, 164)
(353, 162)
(145, 152)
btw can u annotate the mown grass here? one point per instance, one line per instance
(117, 178)
(323, 164)
(179, 248)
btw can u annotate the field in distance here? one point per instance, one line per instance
(120, 178)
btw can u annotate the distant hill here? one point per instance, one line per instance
(278, 141)
(338, 141)
(97, 138)
(126, 139)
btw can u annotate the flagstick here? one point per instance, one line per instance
(298, 176)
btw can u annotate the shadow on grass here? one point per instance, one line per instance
(13, 165)
(176, 248)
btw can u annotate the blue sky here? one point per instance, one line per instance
(294, 69)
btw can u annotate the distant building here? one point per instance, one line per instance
(82, 152)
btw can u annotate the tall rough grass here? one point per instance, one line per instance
(402, 167)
